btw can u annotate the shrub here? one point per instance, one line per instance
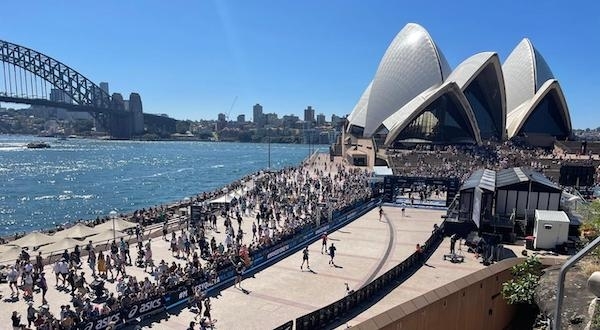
(521, 288)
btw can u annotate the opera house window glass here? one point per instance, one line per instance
(441, 122)
(546, 119)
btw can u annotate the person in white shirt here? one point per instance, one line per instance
(12, 277)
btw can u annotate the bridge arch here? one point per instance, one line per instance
(82, 90)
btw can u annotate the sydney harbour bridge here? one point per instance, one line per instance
(30, 77)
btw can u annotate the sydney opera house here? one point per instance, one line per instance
(415, 97)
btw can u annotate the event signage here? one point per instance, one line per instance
(144, 307)
(102, 323)
(176, 297)
(205, 285)
(278, 251)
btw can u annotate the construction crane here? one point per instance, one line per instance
(231, 107)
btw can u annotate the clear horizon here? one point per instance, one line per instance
(193, 59)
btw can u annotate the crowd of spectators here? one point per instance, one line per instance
(460, 160)
(280, 203)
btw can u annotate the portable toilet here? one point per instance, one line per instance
(551, 229)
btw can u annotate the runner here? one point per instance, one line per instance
(239, 269)
(305, 258)
(332, 254)
(380, 212)
(324, 244)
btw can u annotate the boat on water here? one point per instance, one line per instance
(37, 145)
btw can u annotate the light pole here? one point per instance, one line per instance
(113, 215)
(188, 210)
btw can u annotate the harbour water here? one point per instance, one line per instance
(83, 179)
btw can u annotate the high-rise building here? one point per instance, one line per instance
(309, 114)
(104, 87)
(257, 111)
(57, 95)
(221, 117)
(241, 119)
(320, 119)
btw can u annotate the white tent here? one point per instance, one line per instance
(34, 239)
(10, 255)
(105, 236)
(58, 247)
(120, 225)
(77, 231)
(221, 200)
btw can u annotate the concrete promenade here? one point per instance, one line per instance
(366, 248)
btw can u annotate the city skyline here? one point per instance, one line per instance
(192, 61)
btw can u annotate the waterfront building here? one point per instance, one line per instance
(415, 97)
(309, 114)
(320, 119)
(104, 87)
(257, 115)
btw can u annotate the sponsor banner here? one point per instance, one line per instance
(206, 285)
(102, 322)
(321, 230)
(139, 309)
(177, 296)
(278, 251)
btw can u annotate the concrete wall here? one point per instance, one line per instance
(472, 302)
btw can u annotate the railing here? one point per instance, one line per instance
(349, 306)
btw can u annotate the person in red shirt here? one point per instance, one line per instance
(324, 240)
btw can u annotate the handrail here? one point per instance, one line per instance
(560, 287)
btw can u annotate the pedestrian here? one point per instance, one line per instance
(92, 261)
(165, 231)
(254, 231)
(324, 242)
(419, 252)
(239, 269)
(198, 297)
(39, 263)
(12, 277)
(332, 254)
(43, 285)
(207, 311)
(380, 212)
(452, 243)
(191, 327)
(16, 321)
(305, 258)
(108, 268)
(403, 211)
(101, 265)
(30, 314)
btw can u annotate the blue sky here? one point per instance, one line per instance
(190, 59)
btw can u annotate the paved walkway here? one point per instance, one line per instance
(283, 292)
(366, 248)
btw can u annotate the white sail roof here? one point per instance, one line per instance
(411, 64)
(525, 71)
(358, 116)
